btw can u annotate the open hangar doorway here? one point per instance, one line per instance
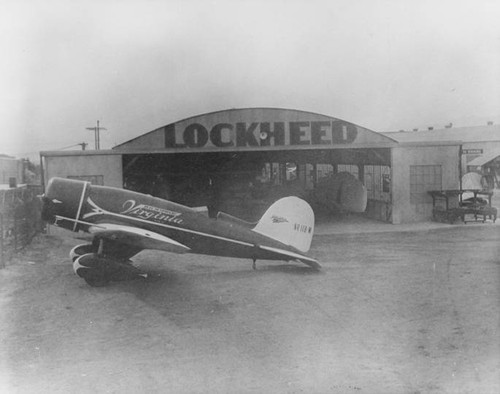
(246, 183)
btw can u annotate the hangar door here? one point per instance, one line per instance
(244, 184)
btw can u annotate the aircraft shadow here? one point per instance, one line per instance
(190, 297)
(293, 269)
(290, 269)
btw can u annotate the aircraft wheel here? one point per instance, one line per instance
(80, 250)
(87, 267)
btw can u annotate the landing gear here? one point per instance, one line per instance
(89, 268)
(254, 258)
(80, 250)
(98, 269)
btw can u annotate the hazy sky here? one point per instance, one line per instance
(137, 65)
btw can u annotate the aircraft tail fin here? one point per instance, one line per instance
(289, 220)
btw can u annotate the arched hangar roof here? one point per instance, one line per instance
(256, 129)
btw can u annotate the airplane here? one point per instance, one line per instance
(341, 192)
(124, 222)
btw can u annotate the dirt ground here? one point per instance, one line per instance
(391, 312)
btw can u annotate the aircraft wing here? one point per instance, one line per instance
(138, 237)
(292, 256)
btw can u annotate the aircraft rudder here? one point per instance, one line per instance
(289, 220)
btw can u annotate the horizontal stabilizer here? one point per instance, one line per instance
(292, 256)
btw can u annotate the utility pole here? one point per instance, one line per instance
(96, 134)
(83, 145)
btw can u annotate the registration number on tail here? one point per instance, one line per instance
(302, 228)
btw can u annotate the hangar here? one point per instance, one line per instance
(243, 159)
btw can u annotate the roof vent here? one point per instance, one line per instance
(430, 128)
(448, 126)
(415, 129)
(490, 123)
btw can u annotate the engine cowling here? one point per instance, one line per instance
(62, 202)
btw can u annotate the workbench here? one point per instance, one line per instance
(475, 206)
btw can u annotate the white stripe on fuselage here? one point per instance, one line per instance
(81, 204)
(159, 224)
(268, 248)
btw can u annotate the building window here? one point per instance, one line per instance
(94, 179)
(423, 179)
(323, 171)
(350, 168)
